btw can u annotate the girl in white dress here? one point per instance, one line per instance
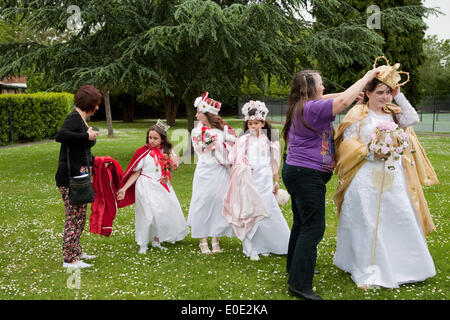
(158, 214)
(399, 253)
(250, 203)
(211, 141)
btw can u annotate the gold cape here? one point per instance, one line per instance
(351, 153)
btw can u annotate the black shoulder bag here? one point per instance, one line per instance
(81, 189)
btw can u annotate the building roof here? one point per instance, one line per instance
(13, 85)
(14, 82)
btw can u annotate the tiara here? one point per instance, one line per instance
(162, 124)
(207, 104)
(261, 110)
(389, 74)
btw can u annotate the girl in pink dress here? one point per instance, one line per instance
(250, 204)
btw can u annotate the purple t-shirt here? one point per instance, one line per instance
(311, 149)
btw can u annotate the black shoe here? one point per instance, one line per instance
(306, 294)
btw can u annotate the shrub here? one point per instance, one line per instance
(33, 116)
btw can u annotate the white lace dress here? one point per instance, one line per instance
(157, 212)
(401, 252)
(271, 234)
(209, 186)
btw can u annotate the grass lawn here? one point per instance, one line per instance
(32, 220)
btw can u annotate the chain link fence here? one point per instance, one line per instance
(433, 111)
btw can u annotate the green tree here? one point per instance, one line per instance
(435, 70)
(180, 48)
(401, 32)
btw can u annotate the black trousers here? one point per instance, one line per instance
(307, 188)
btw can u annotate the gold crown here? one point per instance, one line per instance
(389, 74)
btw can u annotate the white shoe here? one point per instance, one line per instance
(143, 249)
(254, 258)
(265, 254)
(158, 245)
(87, 256)
(78, 264)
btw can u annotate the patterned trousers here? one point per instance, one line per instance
(73, 227)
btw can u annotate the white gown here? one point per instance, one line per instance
(157, 212)
(271, 234)
(401, 253)
(209, 186)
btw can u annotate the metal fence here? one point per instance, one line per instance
(434, 112)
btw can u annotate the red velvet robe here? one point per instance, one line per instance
(106, 182)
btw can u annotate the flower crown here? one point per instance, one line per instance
(162, 124)
(261, 110)
(207, 104)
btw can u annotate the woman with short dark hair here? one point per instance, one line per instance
(77, 139)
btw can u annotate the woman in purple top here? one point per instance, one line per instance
(308, 132)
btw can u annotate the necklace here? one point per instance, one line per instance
(82, 114)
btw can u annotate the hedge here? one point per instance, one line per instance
(34, 116)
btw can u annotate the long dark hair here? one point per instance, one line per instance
(370, 87)
(303, 88)
(167, 145)
(267, 129)
(215, 121)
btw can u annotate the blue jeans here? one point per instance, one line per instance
(307, 188)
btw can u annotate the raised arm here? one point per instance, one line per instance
(347, 97)
(70, 131)
(409, 116)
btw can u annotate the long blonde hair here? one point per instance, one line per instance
(303, 88)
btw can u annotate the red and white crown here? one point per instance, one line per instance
(260, 113)
(206, 104)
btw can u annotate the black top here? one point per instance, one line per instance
(73, 134)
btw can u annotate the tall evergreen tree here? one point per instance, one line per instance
(401, 30)
(180, 47)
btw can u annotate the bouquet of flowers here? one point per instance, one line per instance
(205, 141)
(168, 165)
(388, 142)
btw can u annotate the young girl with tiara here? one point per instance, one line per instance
(158, 214)
(212, 139)
(250, 203)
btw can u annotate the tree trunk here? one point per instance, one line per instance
(128, 109)
(171, 106)
(108, 115)
(190, 112)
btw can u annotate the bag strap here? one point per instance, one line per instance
(68, 161)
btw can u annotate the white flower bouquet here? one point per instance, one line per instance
(388, 142)
(282, 196)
